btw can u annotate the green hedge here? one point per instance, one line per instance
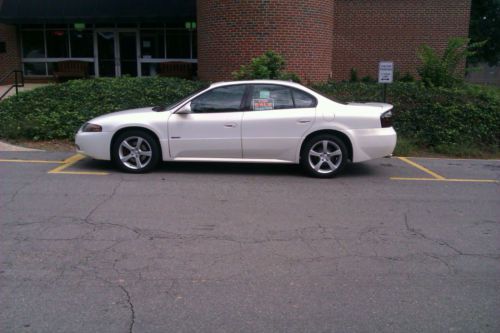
(434, 117)
(57, 111)
(428, 117)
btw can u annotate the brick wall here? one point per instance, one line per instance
(11, 59)
(230, 33)
(367, 31)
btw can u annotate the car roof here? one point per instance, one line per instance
(285, 83)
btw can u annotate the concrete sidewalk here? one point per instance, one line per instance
(27, 87)
(4, 146)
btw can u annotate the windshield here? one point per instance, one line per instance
(183, 100)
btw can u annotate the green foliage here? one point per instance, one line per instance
(443, 70)
(57, 111)
(270, 66)
(485, 25)
(407, 77)
(434, 118)
(353, 75)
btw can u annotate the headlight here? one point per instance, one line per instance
(88, 127)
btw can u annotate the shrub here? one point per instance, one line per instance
(57, 111)
(443, 70)
(270, 65)
(353, 75)
(434, 117)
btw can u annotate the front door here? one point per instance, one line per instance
(212, 129)
(116, 53)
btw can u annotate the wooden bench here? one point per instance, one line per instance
(177, 69)
(70, 69)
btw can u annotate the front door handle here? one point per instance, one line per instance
(230, 125)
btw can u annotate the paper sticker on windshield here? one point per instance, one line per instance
(265, 94)
(262, 104)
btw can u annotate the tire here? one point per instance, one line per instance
(141, 148)
(320, 162)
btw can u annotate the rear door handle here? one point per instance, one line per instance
(303, 121)
(230, 125)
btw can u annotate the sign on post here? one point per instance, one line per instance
(385, 71)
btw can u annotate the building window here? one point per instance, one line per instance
(35, 68)
(57, 43)
(82, 44)
(43, 46)
(33, 44)
(152, 44)
(178, 44)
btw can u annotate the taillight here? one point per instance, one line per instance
(386, 119)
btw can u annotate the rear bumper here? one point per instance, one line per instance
(369, 144)
(95, 145)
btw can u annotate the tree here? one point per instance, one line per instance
(485, 25)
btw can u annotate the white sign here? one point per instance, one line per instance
(385, 71)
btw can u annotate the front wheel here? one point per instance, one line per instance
(323, 156)
(135, 152)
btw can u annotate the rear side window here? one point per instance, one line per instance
(223, 99)
(271, 97)
(275, 97)
(303, 100)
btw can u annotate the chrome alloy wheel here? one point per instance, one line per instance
(135, 152)
(325, 156)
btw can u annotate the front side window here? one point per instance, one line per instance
(271, 97)
(223, 99)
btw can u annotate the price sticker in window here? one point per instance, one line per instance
(262, 104)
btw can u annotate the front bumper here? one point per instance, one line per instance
(94, 144)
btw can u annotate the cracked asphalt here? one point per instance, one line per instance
(248, 248)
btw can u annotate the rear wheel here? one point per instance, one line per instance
(324, 156)
(135, 151)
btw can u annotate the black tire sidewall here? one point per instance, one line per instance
(304, 155)
(155, 149)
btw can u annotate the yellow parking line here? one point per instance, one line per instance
(32, 161)
(448, 180)
(71, 161)
(422, 168)
(454, 159)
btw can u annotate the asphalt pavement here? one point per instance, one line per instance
(392, 245)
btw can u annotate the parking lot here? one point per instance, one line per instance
(392, 245)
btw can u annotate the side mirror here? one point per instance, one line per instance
(186, 109)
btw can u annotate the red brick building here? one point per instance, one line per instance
(320, 39)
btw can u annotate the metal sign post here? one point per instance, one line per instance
(385, 75)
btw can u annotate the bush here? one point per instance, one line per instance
(443, 70)
(269, 66)
(57, 111)
(468, 116)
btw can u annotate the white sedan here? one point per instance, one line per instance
(244, 121)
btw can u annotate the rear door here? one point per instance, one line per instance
(279, 117)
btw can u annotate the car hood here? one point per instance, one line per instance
(130, 112)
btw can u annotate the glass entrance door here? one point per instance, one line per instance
(116, 53)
